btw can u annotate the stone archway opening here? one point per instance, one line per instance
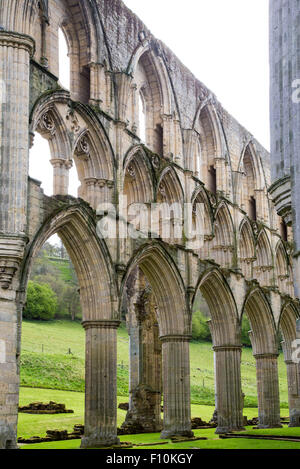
(225, 333)
(158, 300)
(264, 341)
(100, 320)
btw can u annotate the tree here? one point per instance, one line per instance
(41, 302)
(200, 328)
(245, 332)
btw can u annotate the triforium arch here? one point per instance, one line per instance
(224, 236)
(225, 330)
(174, 323)
(202, 219)
(264, 341)
(246, 248)
(139, 177)
(75, 136)
(210, 148)
(250, 190)
(289, 325)
(76, 227)
(264, 263)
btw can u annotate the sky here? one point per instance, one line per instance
(224, 43)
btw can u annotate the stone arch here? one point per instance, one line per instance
(170, 210)
(250, 187)
(81, 26)
(175, 333)
(152, 90)
(89, 255)
(264, 341)
(138, 177)
(281, 267)
(264, 259)
(206, 124)
(289, 327)
(76, 134)
(168, 288)
(246, 248)
(206, 223)
(225, 330)
(224, 237)
(222, 306)
(263, 328)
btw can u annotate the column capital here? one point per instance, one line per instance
(227, 348)
(176, 338)
(19, 41)
(101, 324)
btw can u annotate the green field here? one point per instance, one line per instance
(46, 363)
(52, 368)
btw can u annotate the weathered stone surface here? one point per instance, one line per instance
(190, 150)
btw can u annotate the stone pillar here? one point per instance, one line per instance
(176, 386)
(294, 392)
(100, 384)
(268, 390)
(145, 363)
(15, 51)
(228, 388)
(61, 169)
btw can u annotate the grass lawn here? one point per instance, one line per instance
(37, 425)
(213, 442)
(45, 363)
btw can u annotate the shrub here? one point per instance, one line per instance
(41, 302)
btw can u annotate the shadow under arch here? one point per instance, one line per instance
(90, 257)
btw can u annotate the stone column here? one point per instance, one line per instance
(100, 384)
(176, 386)
(294, 392)
(268, 390)
(145, 363)
(228, 388)
(15, 51)
(61, 169)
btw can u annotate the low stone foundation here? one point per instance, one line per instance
(40, 408)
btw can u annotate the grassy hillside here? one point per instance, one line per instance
(46, 363)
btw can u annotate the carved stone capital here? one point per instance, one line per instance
(19, 41)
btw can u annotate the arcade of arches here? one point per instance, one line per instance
(182, 147)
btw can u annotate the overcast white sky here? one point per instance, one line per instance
(223, 42)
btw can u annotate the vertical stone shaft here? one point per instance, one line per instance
(293, 392)
(268, 390)
(100, 384)
(15, 53)
(176, 386)
(15, 50)
(228, 388)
